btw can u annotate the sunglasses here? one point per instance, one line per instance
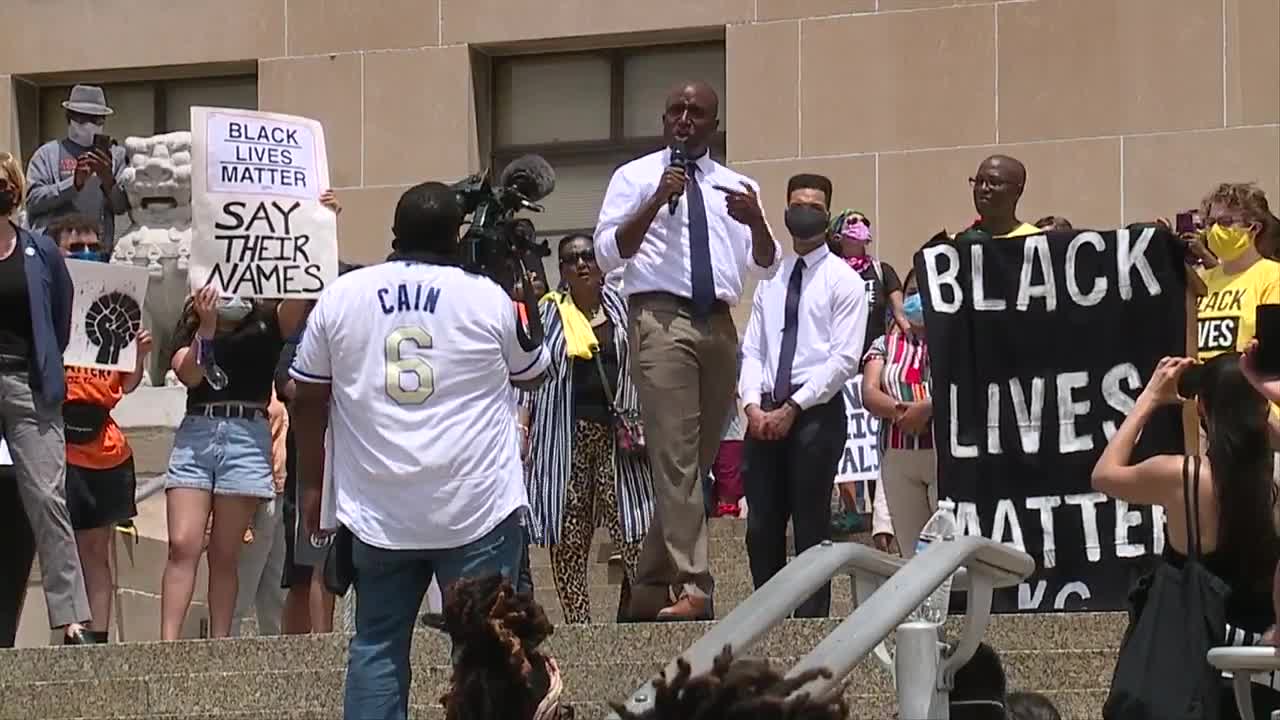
(572, 258)
(84, 247)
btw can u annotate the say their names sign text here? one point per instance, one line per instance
(1039, 347)
(259, 229)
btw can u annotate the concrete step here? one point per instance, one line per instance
(730, 591)
(1072, 655)
(228, 692)
(1074, 704)
(591, 644)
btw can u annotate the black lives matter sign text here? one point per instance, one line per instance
(262, 232)
(1039, 347)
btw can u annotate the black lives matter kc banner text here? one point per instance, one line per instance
(1039, 347)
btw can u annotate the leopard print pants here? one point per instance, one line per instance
(591, 496)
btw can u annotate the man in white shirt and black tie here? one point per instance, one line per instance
(684, 262)
(803, 343)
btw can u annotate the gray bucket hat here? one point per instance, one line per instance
(88, 100)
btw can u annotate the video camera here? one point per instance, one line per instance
(496, 242)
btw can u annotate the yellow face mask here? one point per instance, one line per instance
(1227, 242)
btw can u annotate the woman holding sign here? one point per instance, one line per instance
(35, 328)
(220, 467)
(896, 387)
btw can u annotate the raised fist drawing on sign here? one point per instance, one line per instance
(111, 323)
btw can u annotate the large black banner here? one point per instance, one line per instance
(1039, 347)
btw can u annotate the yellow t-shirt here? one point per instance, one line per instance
(1227, 314)
(1023, 230)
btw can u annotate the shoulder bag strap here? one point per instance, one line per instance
(604, 380)
(1191, 504)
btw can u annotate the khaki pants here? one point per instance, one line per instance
(910, 479)
(684, 369)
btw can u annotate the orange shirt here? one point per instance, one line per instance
(104, 388)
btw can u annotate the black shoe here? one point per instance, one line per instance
(78, 637)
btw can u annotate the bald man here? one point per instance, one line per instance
(686, 232)
(997, 187)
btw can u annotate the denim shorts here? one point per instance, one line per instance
(224, 456)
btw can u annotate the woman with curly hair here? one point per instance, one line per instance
(744, 689)
(499, 672)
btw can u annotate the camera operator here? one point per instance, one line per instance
(412, 360)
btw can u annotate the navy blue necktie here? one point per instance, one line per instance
(701, 280)
(790, 331)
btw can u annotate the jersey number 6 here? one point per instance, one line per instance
(399, 366)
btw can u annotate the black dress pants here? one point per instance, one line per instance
(792, 479)
(16, 559)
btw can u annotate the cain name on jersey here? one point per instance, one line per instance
(421, 299)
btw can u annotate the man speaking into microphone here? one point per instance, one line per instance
(686, 230)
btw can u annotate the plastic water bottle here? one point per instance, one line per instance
(941, 527)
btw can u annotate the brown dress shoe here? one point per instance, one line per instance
(686, 608)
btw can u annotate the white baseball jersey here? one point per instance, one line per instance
(420, 358)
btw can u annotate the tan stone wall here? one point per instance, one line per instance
(1122, 109)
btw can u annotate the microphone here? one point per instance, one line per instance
(531, 176)
(680, 159)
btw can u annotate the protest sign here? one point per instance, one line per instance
(258, 228)
(1039, 348)
(106, 315)
(860, 462)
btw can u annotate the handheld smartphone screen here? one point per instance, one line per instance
(1185, 223)
(102, 142)
(1268, 336)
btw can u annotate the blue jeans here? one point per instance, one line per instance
(390, 586)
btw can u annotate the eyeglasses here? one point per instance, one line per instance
(1225, 221)
(993, 185)
(84, 247)
(571, 258)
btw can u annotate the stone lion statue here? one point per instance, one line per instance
(157, 236)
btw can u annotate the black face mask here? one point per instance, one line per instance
(804, 221)
(8, 199)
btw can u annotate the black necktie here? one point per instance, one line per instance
(790, 329)
(701, 280)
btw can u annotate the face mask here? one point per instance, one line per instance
(914, 309)
(89, 255)
(804, 222)
(1229, 243)
(81, 133)
(8, 199)
(233, 310)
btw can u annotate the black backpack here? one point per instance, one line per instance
(1176, 615)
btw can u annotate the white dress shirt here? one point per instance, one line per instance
(662, 263)
(832, 323)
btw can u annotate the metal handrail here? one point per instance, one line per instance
(1242, 662)
(989, 565)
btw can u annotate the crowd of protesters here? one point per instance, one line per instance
(643, 393)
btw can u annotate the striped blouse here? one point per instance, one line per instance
(551, 433)
(906, 378)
